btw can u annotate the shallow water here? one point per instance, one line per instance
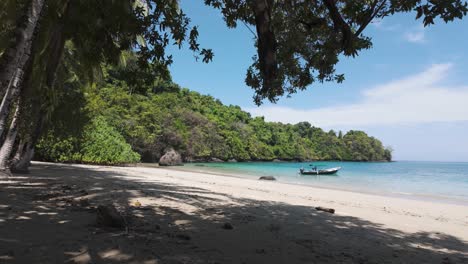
(442, 181)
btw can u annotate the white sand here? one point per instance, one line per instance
(407, 215)
(273, 222)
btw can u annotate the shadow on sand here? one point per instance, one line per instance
(44, 219)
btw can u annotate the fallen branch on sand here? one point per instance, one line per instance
(328, 210)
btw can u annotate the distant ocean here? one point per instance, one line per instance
(437, 181)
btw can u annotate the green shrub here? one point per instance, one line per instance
(99, 144)
(103, 144)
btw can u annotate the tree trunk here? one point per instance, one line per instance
(22, 159)
(19, 152)
(266, 42)
(8, 143)
(26, 154)
(20, 61)
(4, 105)
(11, 95)
(17, 54)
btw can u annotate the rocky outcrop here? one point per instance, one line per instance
(267, 178)
(232, 160)
(216, 160)
(171, 158)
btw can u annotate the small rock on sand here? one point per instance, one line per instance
(228, 226)
(267, 178)
(107, 215)
(84, 202)
(183, 237)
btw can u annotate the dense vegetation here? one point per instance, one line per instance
(53, 50)
(153, 118)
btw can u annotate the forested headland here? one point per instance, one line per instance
(120, 121)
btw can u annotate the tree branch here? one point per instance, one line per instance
(374, 13)
(340, 25)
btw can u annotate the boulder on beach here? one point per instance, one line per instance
(267, 178)
(171, 158)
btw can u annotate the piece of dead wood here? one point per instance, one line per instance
(324, 209)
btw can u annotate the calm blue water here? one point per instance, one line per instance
(444, 181)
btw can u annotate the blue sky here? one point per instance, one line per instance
(410, 90)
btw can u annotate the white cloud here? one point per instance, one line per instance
(380, 25)
(416, 36)
(417, 99)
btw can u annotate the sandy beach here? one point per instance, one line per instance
(173, 216)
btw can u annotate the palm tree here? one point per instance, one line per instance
(8, 143)
(16, 56)
(98, 31)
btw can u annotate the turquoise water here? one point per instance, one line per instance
(444, 181)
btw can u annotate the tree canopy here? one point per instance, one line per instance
(161, 116)
(299, 42)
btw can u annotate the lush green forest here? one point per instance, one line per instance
(119, 115)
(71, 92)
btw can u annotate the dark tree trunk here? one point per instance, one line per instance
(18, 60)
(22, 160)
(25, 153)
(266, 42)
(18, 153)
(17, 54)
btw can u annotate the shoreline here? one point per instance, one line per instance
(333, 196)
(220, 173)
(408, 196)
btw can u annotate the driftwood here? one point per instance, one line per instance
(267, 178)
(328, 210)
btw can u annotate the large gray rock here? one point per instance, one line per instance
(171, 158)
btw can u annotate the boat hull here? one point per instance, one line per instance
(321, 172)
